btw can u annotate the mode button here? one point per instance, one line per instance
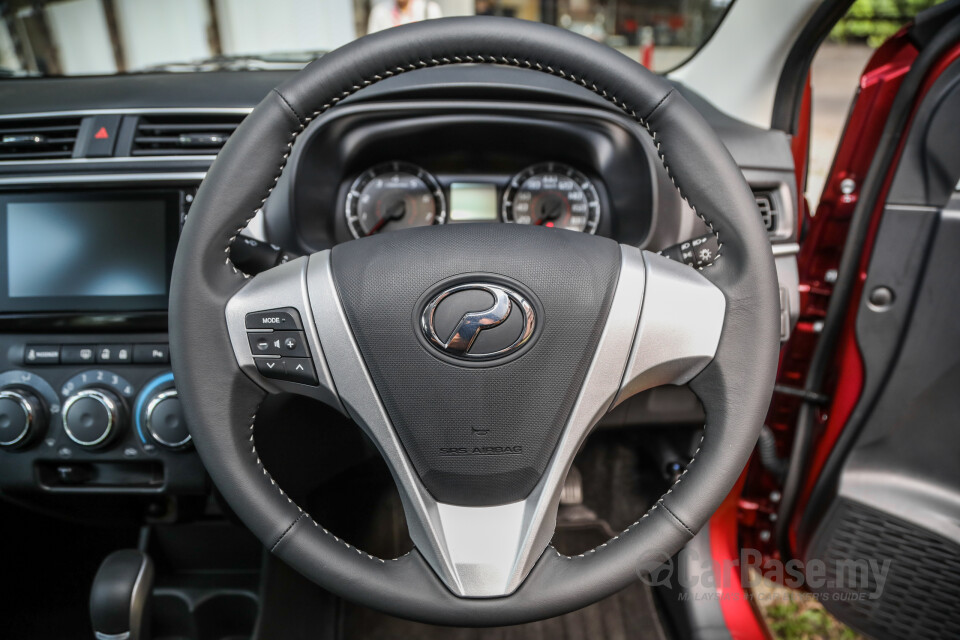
(281, 319)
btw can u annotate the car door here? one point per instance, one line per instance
(871, 377)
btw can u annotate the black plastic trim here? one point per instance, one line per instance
(793, 78)
(77, 322)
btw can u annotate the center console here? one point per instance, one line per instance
(88, 402)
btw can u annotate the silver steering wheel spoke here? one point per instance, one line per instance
(679, 328)
(662, 327)
(274, 337)
(479, 551)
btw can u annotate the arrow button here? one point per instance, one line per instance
(299, 370)
(271, 367)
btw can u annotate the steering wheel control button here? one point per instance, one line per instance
(276, 319)
(78, 353)
(298, 370)
(91, 417)
(279, 346)
(271, 367)
(22, 416)
(151, 354)
(279, 343)
(697, 253)
(41, 354)
(165, 420)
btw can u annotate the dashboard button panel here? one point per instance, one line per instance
(107, 353)
(131, 459)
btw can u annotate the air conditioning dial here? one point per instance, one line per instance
(164, 420)
(23, 418)
(93, 417)
(158, 416)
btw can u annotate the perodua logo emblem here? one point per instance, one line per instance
(478, 321)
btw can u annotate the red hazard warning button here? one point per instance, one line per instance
(100, 137)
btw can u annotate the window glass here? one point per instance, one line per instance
(77, 37)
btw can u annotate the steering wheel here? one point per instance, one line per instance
(476, 357)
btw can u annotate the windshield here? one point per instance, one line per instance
(84, 37)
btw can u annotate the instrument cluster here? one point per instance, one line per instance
(396, 195)
(375, 168)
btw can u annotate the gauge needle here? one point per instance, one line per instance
(550, 209)
(395, 211)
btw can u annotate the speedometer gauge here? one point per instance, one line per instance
(394, 195)
(552, 195)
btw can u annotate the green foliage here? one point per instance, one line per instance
(874, 21)
(792, 621)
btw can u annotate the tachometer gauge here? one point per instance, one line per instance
(394, 195)
(552, 195)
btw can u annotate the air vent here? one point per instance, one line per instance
(38, 139)
(183, 135)
(767, 203)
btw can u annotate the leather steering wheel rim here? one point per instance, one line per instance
(221, 401)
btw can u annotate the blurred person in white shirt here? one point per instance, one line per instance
(393, 13)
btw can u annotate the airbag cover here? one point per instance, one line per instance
(477, 434)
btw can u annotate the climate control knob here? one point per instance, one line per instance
(164, 420)
(92, 417)
(23, 417)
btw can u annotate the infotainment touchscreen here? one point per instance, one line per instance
(87, 251)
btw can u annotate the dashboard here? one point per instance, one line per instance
(94, 191)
